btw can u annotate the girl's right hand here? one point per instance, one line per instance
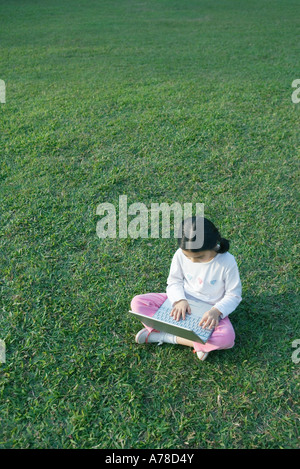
(180, 308)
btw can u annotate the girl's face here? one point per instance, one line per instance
(202, 256)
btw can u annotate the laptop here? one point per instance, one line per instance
(187, 328)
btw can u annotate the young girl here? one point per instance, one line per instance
(210, 274)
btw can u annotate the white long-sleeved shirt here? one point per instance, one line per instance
(216, 282)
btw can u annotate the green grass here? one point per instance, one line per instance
(164, 101)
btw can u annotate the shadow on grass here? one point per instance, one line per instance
(265, 327)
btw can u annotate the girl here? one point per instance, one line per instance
(210, 274)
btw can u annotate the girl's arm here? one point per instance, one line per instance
(233, 291)
(175, 290)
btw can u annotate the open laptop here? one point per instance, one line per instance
(187, 328)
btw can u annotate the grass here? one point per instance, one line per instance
(163, 101)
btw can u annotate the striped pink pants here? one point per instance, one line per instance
(222, 337)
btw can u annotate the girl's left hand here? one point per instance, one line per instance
(210, 319)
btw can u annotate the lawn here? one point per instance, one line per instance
(163, 101)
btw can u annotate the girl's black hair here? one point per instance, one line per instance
(212, 238)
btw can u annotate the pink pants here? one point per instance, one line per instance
(222, 337)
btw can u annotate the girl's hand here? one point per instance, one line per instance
(180, 308)
(210, 319)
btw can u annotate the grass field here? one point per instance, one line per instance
(163, 101)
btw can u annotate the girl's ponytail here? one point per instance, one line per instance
(224, 245)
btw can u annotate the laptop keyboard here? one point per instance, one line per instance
(190, 322)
